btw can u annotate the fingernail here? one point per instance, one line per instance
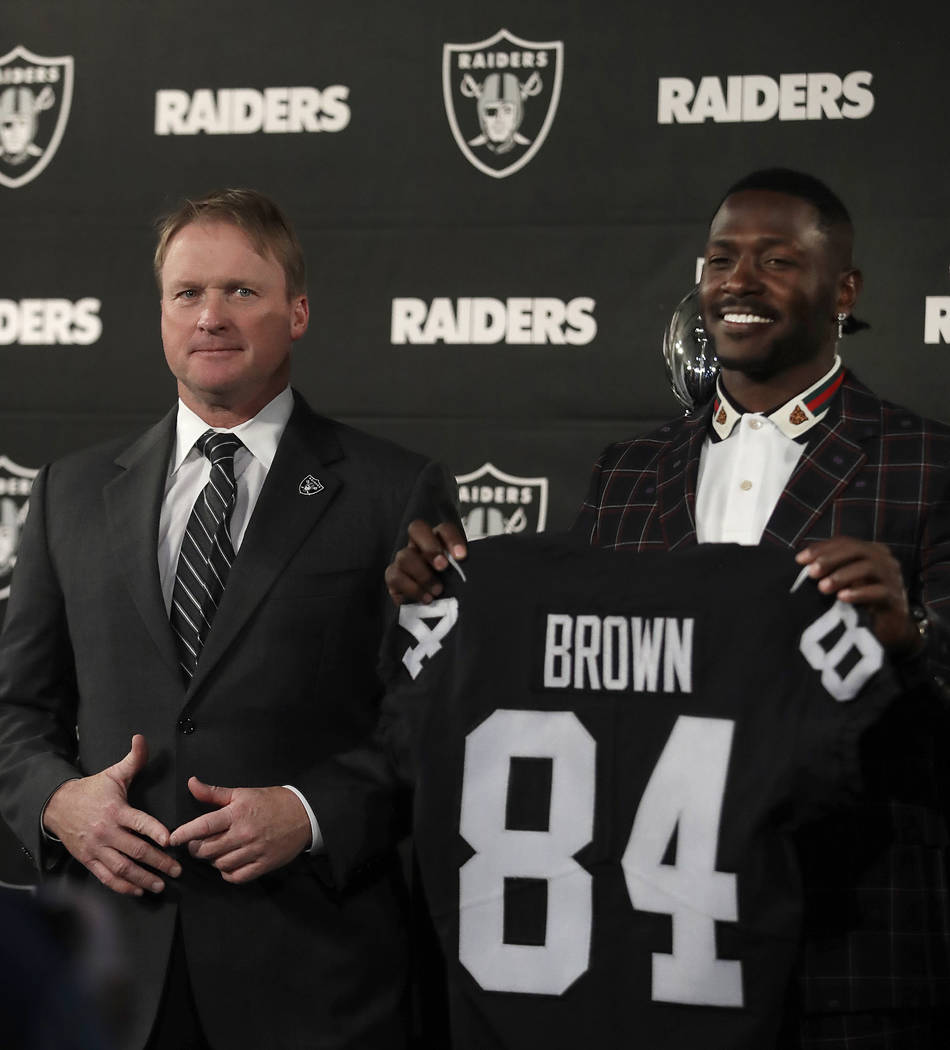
(440, 562)
(157, 886)
(176, 871)
(437, 588)
(458, 550)
(814, 569)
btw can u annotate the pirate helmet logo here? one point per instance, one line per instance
(15, 485)
(494, 503)
(500, 108)
(515, 86)
(35, 97)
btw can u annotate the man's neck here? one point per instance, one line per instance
(225, 415)
(758, 394)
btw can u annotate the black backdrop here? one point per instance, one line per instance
(583, 236)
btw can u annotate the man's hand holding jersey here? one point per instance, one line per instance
(858, 572)
(867, 575)
(413, 574)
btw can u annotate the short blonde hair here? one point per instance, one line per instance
(256, 215)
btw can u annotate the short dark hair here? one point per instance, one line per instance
(831, 210)
(256, 215)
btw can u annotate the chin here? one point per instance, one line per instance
(760, 371)
(769, 361)
(740, 357)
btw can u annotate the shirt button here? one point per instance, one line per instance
(745, 486)
(186, 726)
(755, 424)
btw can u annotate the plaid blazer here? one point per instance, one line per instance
(877, 892)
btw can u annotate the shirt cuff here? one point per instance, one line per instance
(48, 836)
(316, 838)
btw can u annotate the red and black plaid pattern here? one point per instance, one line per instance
(877, 1030)
(206, 551)
(870, 469)
(876, 886)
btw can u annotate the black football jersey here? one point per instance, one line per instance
(610, 752)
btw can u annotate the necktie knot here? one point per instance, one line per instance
(219, 447)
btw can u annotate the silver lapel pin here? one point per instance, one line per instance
(310, 486)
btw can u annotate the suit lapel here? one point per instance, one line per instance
(677, 476)
(286, 512)
(832, 458)
(133, 503)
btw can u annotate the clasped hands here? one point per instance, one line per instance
(253, 830)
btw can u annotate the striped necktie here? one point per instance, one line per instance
(206, 551)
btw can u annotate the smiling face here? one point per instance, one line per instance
(772, 283)
(228, 323)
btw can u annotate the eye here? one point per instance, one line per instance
(778, 262)
(243, 293)
(186, 293)
(718, 261)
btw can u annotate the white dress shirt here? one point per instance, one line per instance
(188, 473)
(748, 458)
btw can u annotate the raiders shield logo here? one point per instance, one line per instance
(35, 96)
(494, 503)
(15, 485)
(501, 95)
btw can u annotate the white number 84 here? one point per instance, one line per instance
(684, 794)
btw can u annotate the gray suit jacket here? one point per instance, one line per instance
(287, 678)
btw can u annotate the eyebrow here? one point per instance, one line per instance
(229, 282)
(761, 242)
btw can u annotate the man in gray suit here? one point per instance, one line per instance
(192, 627)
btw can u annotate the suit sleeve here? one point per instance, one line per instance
(38, 694)
(434, 498)
(585, 524)
(362, 799)
(930, 590)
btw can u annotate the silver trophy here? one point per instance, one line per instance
(690, 354)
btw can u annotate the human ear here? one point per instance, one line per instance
(850, 283)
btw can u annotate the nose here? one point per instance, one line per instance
(213, 316)
(743, 278)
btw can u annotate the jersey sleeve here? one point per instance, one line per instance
(850, 686)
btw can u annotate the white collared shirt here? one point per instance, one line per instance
(188, 473)
(748, 459)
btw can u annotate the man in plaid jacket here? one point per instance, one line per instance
(795, 452)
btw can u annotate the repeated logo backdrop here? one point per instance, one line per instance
(501, 204)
